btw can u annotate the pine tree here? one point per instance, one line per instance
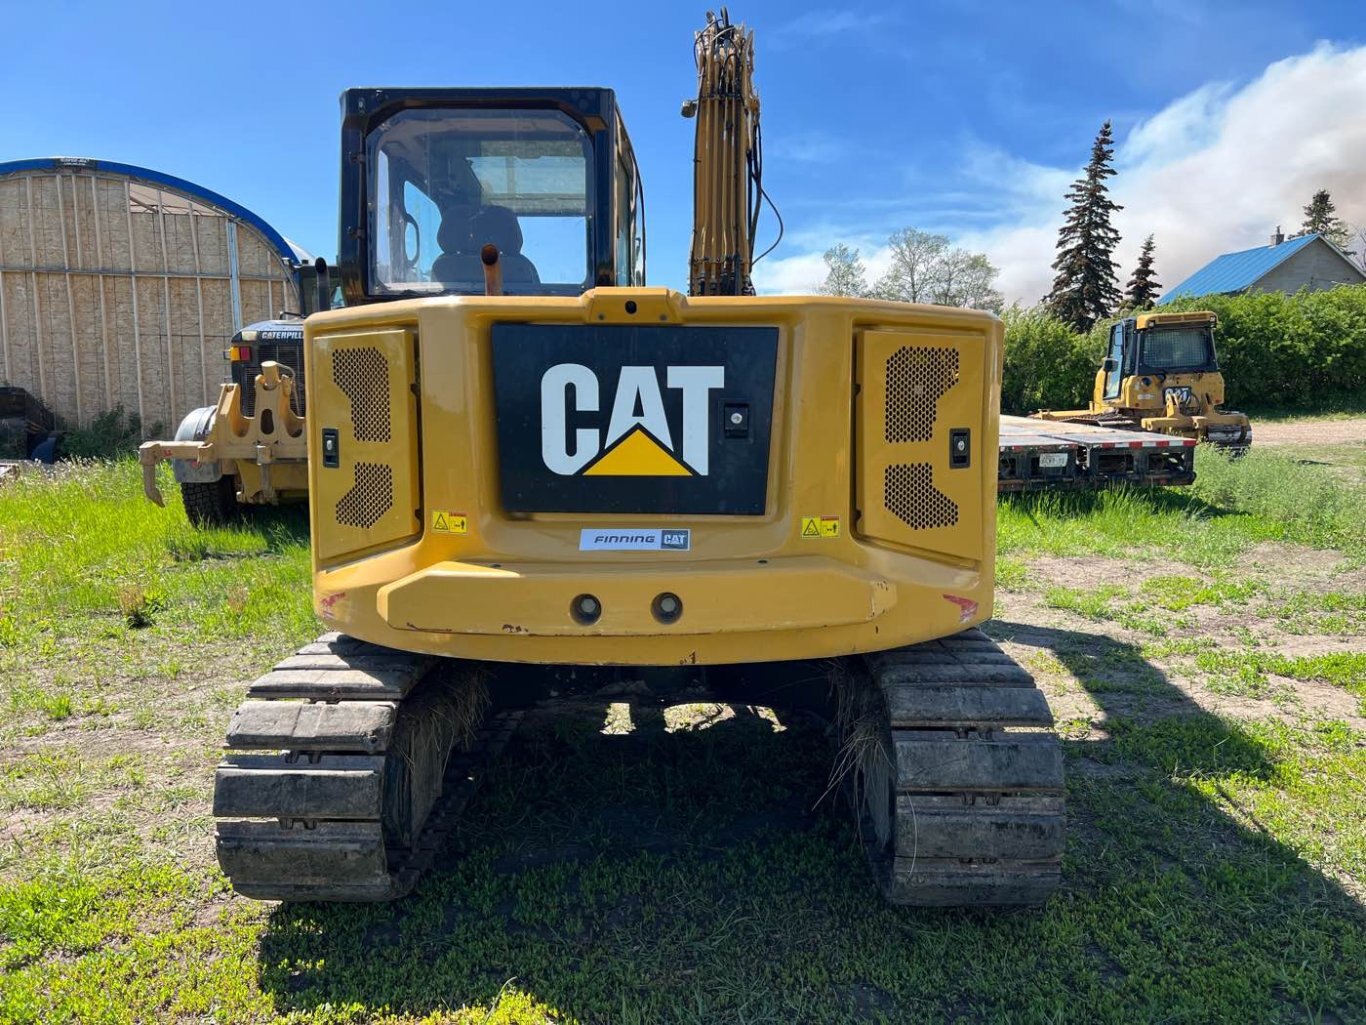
(1321, 216)
(1085, 289)
(1143, 288)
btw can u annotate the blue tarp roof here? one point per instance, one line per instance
(1234, 272)
(288, 251)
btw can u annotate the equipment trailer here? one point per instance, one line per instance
(1037, 455)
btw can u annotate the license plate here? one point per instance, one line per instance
(1053, 460)
(623, 419)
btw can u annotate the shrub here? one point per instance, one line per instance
(1278, 352)
(1047, 365)
(1301, 351)
(111, 434)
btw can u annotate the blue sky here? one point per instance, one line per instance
(967, 117)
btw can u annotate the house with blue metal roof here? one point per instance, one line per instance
(1286, 265)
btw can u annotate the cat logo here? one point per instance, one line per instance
(633, 419)
(637, 441)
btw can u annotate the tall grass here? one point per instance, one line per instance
(1280, 488)
(82, 549)
(1233, 505)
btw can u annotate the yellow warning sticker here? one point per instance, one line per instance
(820, 526)
(450, 523)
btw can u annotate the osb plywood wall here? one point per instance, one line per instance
(118, 292)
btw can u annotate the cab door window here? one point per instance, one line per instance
(1116, 356)
(629, 239)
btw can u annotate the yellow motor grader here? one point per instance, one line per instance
(249, 447)
(520, 455)
(1161, 374)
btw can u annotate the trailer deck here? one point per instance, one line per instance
(1039, 455)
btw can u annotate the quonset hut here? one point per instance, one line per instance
(122, 286)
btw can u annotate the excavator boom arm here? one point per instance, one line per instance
(726, 160)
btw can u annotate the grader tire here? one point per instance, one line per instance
(212, 503)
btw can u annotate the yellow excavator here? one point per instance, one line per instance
(520, 455)
(1161, 374)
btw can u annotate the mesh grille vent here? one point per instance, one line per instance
(910, 494)
(370, 497)
(363, 375)
(916, 378)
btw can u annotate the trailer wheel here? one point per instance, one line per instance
(211, 503)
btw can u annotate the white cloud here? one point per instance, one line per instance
(828, 23)
(1216, 170)
(809, 148)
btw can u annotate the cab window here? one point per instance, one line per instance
(629, 242)
(1177, 348)
(445, 183)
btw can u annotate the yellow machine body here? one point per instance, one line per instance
(265, 453)
(877, 526)
(1182, 402)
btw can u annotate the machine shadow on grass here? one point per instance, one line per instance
(696, 875)
(278, 526)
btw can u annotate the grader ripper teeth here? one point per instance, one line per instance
(963, 796)
(357, 793)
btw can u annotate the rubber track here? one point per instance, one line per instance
(314, 818)
(974, 779)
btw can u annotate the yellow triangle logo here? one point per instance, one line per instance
(637, 455)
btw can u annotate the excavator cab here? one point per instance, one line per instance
(430, 177)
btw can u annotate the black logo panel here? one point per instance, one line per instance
(625, 419)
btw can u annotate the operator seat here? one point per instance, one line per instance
(465, 230)
(499, 225)
(459, 259)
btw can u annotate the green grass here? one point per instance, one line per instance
(683, 878)
(1155, 606)
(1233, 506)
(103, 592)
(1213, 873)
(1342, 669)
(85, 546)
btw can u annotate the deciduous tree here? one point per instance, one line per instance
(845, 273)
(928, 268)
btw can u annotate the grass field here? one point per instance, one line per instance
(1202, 651)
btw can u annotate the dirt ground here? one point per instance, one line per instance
(1310, 432)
